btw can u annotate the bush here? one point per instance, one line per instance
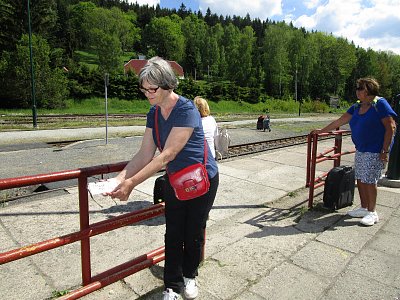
(310, 106)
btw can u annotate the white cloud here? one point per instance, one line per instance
(261, 9)
(305, 21)
(310, 4)
(331, 17)
(369, 24)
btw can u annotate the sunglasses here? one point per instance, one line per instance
(359, 88)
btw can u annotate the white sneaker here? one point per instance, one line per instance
(358, 212)
(169, 294)
(191, 289)
(370, 219)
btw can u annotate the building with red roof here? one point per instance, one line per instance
(136, 65)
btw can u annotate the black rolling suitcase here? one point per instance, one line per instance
(260, 123)
(339, 187)
(159, 188)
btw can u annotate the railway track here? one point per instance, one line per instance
(26, 120)
(255, 147)
(234, 152)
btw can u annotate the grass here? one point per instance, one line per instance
(302, 211)
(18, 119)
(87, 58)
(88, 106)
(91, 60)
(56, 294)
(98, 105)
(273, 106)
(305, 126)
(3, 200)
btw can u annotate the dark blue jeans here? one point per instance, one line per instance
(184, 237)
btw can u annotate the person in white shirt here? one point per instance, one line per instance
(210, 126)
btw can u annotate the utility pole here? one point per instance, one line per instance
(280, 78)
(106, 83)
(34, 111)
(295, 84)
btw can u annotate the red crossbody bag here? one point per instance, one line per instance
(190, 182)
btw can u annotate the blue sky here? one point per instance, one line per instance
(371, 24)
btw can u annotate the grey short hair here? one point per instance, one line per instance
(159, 72)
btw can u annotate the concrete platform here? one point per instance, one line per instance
(262, 242)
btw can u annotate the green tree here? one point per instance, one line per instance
(276, 63)
(14, 20)
(108, 49)
(50, 84)
(393, 62)
(163, 37)
(214, 59)
(231, 42)
(323, 73)
(301, 61)
(78, 25)
(344, 61)
(108, 32)
(386, 73)
(245, 71)
(194, 31)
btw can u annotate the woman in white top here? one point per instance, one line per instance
(210, 127)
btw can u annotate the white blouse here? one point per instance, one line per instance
(210, 129)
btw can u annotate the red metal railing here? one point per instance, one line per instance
(313, 158)
(87, 230)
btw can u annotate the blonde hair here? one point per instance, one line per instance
(202, 106)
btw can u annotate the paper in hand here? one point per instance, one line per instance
(102, 187)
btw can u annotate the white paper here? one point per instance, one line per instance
(103, 186)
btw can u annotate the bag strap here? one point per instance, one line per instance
(156, 128)
(158, 137)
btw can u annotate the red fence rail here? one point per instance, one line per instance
(313, 158)
(89, 283)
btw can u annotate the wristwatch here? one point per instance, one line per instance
(383, 151)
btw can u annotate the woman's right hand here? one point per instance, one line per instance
(122, 191)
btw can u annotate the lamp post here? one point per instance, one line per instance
(34, 111)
